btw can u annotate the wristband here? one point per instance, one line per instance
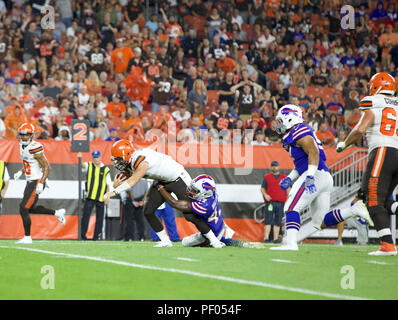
(123, 187)
(132, 202)
(312, 170)
(293, 175)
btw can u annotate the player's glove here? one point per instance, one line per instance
(285, 183)
(341, 147)
(18, 174)
(39, 188)
(310, 184)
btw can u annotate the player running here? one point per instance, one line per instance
(313, 182)
(203, 202)
(36, 170)
(378, 122)
(147, 163)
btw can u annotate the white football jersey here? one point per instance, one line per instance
(161, 167)
(32, 167)
(384, 130)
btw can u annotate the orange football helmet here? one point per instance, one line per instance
(26, 129)
(382, 82)
(121, 152)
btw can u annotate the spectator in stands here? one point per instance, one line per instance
(317, 79)
(271, 136)
(113, 135)
(225, 91)
(51, 90)
(324, 135)
(286, 78)
(222, 119)
(120, 57)
(197, 97)
(116, 108)
(162, 89)
(349, 59)
(190, 44)
(225, 63)
(259, 137)
(181, 113)
(281, 95)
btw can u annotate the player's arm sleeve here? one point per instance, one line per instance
(301, 133)
(36, 150)
(198, 208)
(365, 103)
(138, 161)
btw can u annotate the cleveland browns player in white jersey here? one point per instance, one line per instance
(147, 163)
(379, 123)
(36, 170)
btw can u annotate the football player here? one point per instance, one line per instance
(313, 182)
(147, 163)
(379, 123)
(204, 203)
(36, 170)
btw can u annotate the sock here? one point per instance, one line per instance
(210, 235)
(394, 207)
(292, 226)
(385, 235)
(163, 236)
(336, 216)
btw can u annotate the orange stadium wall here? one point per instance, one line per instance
(235, 168)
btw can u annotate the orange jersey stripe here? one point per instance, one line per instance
(379, 160)
(32, 197)
(138, 161)
(36, 150)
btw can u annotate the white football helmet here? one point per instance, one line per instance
(288, 116)
(201, 187)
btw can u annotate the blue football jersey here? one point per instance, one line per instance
(300, 158)
(210, 211)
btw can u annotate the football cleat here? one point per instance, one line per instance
(161, 244)
(60, 214)
(25, 240)
(217, 244)
(386, 249)
(359, 210)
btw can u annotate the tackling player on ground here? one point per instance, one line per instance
(379, 123)
(147, 163)
(36, 170)
(204, 203)
(313, 182)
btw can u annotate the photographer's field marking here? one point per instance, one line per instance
(284, 261)
(195, 274)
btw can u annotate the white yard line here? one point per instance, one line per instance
(195, 274)
(380, 262)
(284, 261)
(187, 259)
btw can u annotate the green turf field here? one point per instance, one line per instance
(50, 269)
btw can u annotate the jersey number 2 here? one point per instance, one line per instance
(388, 122)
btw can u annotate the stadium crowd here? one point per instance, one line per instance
(194, 70)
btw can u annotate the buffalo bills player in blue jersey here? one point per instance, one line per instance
(313, 182)
(204, 203)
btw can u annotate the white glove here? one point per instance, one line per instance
(341, 146)
(17, 174)
(39, 188)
